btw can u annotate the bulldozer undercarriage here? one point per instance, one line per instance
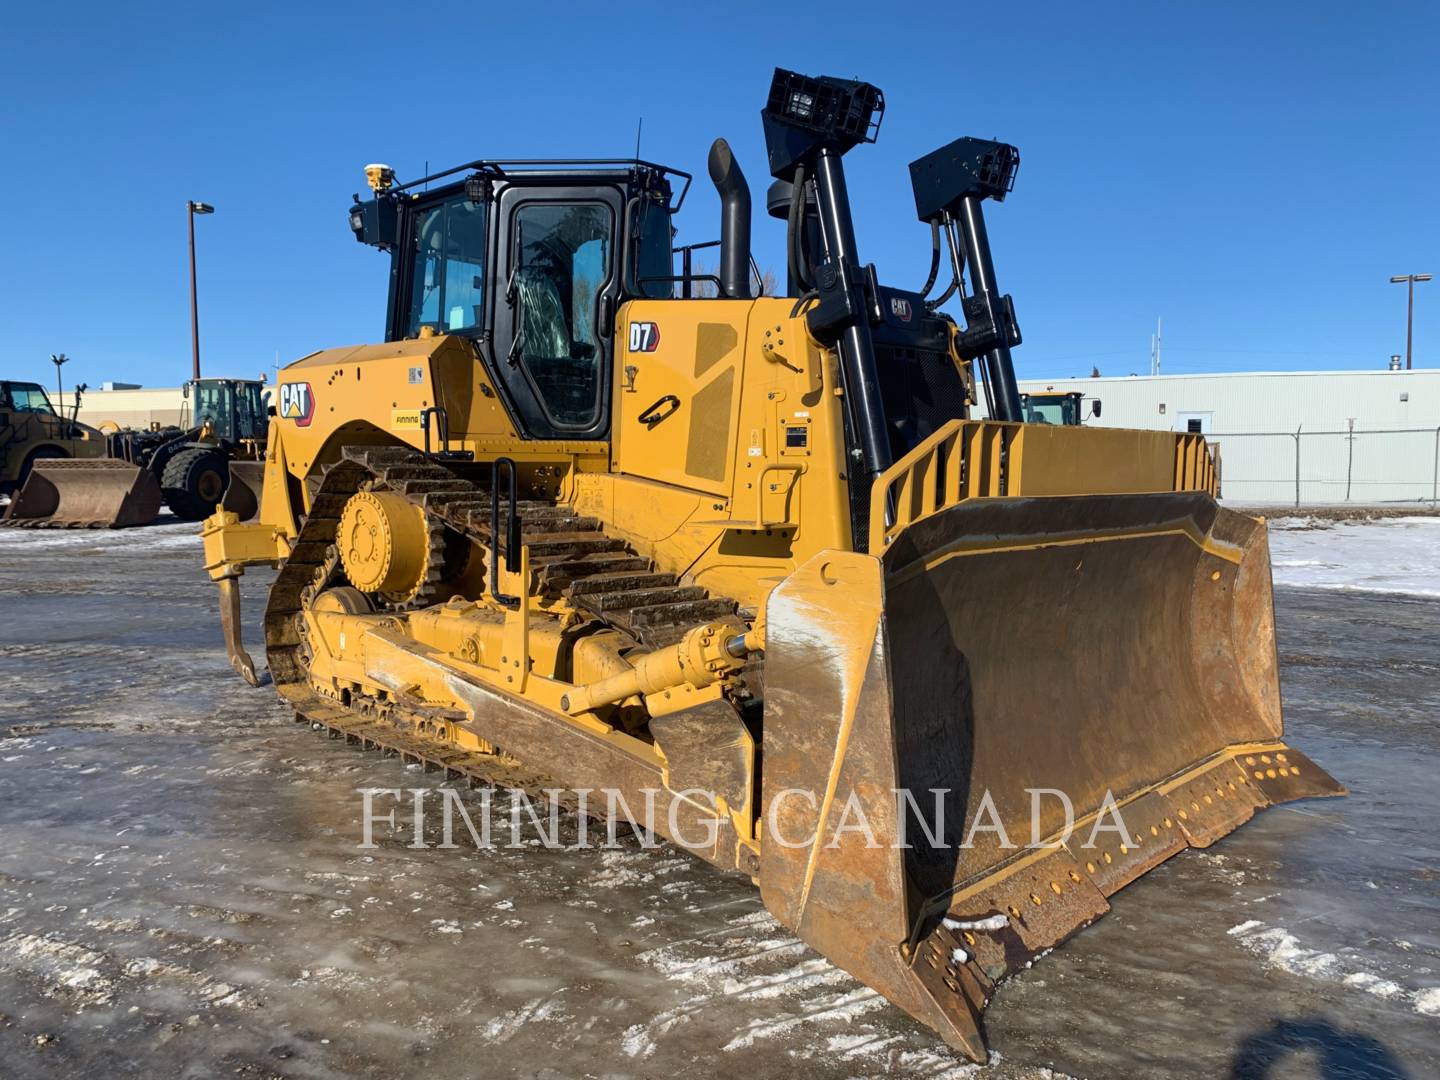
(590, 582)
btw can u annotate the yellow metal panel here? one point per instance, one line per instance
(1092, 461)
(692, 353)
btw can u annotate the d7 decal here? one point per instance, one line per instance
(644, 336)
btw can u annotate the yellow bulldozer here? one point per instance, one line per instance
(939, 686)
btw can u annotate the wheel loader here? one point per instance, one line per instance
(42, 455)
(1057, 408)
(221, 434)
(939, 686)
(191, 468)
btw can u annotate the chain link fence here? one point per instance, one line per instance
(1394, 465)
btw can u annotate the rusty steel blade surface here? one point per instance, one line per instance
(1119, 650)
(79, 493)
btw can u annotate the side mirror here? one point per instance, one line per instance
(1095, 408)
(185, 391)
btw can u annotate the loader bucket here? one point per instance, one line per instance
(81, 493)
(1118, 649)
(242, 494)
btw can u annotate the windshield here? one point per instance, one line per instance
(1051, 410)
(448, 267)
(27, 397)
(212, 403)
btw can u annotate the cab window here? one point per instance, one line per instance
(561, 264)
(654, 259)
(1050, 410)
(249, 412)
(28, 397)
(212, 403)
(447, 287)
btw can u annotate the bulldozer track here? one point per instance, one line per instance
(572, 556)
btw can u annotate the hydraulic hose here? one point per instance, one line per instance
(934, 264)
(794, 234)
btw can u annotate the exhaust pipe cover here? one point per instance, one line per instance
(734, 194)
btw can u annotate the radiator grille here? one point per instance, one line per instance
(922, 391)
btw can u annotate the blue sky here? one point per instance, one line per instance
(1252, 172)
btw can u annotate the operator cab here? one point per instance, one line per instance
(1064, 409)
(234, 408)
(530, 260)
(26, 397)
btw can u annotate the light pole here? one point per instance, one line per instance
(59, 360)
(1409, 280)
(192, 208)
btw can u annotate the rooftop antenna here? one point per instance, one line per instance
(1155, 349)
(639, 125)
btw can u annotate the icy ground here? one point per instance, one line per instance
(181, 891)
(1388, 555)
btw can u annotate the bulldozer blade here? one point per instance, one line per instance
(81, 493)
(975, 738)
(242, 493)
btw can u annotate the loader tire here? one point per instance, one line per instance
(193, 483)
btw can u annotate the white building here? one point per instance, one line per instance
(131, 407)
(1361, 436)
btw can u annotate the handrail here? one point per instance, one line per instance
(796, 467)
(934, 475)
(502, 168)
(511, 534)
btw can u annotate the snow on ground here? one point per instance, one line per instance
(799, 997)
(1279, 948)
(1385, 555)
(168, 533)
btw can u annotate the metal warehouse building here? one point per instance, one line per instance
(1295, 436)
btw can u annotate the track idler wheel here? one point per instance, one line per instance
(383, 542)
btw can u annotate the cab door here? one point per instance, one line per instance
(557, 282)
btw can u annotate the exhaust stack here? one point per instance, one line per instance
(734, 221)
